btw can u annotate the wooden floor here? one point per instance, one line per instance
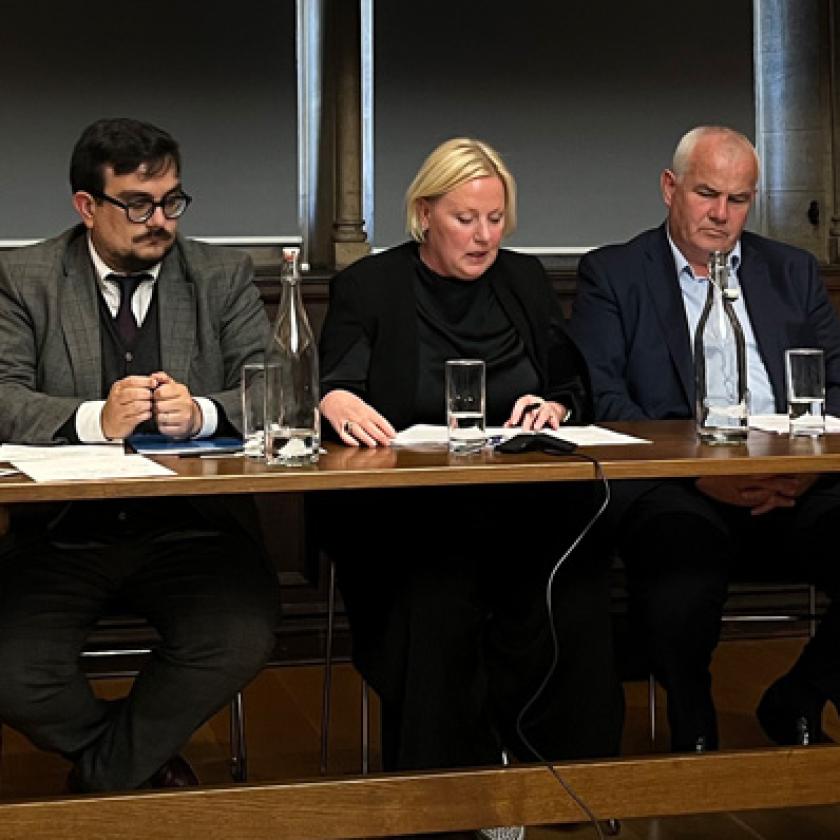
(283, 726)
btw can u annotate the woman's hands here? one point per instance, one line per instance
(355, 421)
(535, 413)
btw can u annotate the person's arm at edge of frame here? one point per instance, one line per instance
(823, 315)
(26, 415)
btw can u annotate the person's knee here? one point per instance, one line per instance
(679, 610)
(247, 642)
(237, 642)
(27, 678)
(676, 585)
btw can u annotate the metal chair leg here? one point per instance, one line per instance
(812, 610)
(652, 708)
(365, 728)
(238, 745)
(326, 696)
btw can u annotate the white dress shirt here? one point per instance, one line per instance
(694, 291)
(89, 413)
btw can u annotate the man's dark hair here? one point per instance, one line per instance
(122, 144)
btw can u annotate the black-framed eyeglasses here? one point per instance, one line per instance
(141, 209)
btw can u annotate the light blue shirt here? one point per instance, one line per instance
(694, 291)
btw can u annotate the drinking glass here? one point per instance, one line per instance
(465, 398)
(805, 385)
(252, 392)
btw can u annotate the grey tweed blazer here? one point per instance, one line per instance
(212, 321)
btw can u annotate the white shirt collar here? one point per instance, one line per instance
(102, 270)
(683, 266)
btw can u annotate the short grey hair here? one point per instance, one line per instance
(688, 142)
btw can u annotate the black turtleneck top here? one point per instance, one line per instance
(462, 319)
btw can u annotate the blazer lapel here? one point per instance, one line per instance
(506, 291)
(399, 309)
(80, 320)
(176, 315)
(763, 309)
(664, 288)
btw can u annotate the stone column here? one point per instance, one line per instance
(834, 40)
(794, 125)
(349, 237)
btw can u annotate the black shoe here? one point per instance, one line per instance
(176, 773)
(789, 717)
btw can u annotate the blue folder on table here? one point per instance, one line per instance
(162, 445)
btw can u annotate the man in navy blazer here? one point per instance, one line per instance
(635, 313)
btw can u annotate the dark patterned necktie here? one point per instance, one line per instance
(124, 319)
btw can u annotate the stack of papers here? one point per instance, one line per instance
(780, 425)
(75, 463)
(424, 435)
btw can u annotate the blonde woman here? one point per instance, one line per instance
(445, 588)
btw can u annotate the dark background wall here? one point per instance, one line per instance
(219, 76)
(585, 99)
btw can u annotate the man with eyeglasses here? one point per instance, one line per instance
(116, 326)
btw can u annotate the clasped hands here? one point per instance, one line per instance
(135, 399)
(760, 493)
(358, 423)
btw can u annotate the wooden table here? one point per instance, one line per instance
(410, 803)
(674, 452)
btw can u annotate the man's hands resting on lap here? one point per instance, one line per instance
(760, 493)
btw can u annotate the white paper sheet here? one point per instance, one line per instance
(80, 467)
(425, 435)
(780, 425)
(15, 452)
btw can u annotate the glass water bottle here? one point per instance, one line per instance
(292, 415)
(720, 362)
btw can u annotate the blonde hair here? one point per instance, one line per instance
(451, 164)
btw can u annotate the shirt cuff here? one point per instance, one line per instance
(210, 417)
(89, 422)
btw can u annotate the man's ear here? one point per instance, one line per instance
(85, 205)
(667, 183)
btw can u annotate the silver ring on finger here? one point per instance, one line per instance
(347, 426)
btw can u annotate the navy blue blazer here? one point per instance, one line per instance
(629, 321)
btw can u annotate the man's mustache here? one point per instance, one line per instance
(159, 235)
